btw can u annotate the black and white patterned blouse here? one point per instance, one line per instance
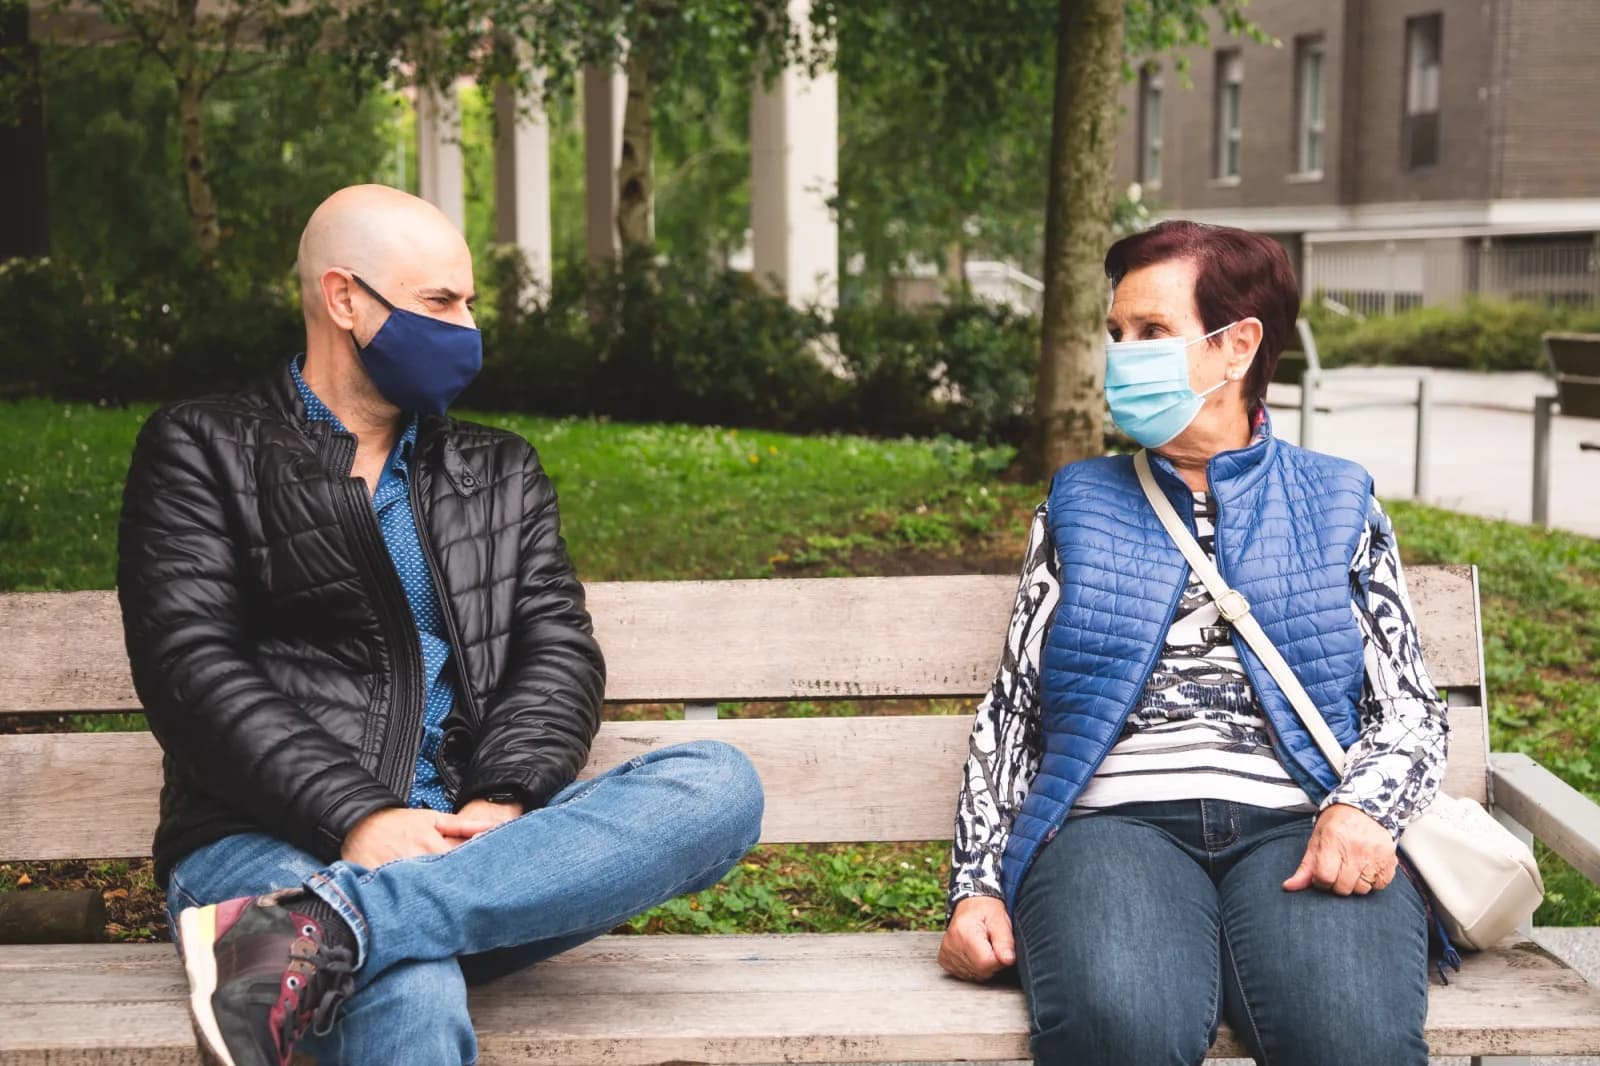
(1199, 700)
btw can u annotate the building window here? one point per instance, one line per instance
(1309, 109)
(1150, 126)
(1230, 86)
(1419, 134)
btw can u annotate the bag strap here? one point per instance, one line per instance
(1236, 609)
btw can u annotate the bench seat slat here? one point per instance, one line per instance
(94, 795)
(730, 999)
(669, 641)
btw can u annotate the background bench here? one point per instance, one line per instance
(1574, 361)
(626, 1000)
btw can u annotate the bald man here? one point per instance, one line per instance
(356, 633)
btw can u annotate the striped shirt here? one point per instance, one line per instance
(1197, 731)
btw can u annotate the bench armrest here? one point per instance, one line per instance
(1549, 808)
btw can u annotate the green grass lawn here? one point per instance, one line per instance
(677, 502)
(636, 501)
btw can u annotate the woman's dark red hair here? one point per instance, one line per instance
(1240, 275)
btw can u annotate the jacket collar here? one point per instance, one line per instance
(336, 446)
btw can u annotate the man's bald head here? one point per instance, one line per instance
(399, 244)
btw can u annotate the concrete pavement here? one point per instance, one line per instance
(1480, 440)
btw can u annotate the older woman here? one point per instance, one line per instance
(1145, 826)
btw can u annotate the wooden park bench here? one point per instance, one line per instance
(629, 1000)
(1574, 362)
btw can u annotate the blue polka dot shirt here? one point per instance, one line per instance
(392, 502)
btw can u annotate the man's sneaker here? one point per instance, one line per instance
(262, 973)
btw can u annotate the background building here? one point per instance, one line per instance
(1405, 151)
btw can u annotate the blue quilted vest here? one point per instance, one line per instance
(1287, 527)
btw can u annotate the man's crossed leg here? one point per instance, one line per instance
(275, 942)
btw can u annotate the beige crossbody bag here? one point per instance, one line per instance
(1484, 881)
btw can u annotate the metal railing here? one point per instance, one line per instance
(1315, 377)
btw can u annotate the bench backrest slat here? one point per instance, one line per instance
(670, 641)
(828, 779)
(84, 795)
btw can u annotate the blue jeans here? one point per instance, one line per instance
(668, 822)
(1140, 928)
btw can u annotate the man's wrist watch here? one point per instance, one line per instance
(502, 796)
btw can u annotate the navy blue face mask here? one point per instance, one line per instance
(419, 363)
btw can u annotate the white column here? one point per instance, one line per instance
(794, 172)
(605, 98)
(439, 177)
(522, 179)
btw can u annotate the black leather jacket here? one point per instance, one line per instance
(272, 644)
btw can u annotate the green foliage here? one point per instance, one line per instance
(1156, 26)
(632, 342)
(702, 161)
(282, 139)
(1473, 335)
(178, 333)
(683, 344)
(682, 42)
(706, 345)
(965, 368)
(944, 121)
(815, 890)
(1541, 620)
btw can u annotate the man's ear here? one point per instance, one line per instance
(336, 301)
(1244, 342)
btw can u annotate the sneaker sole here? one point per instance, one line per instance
(197, 930)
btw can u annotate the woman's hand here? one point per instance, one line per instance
(978, 943)
(1349, 853)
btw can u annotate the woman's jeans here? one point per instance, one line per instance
(665, 823)
(1139, 928)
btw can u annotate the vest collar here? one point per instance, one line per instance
(1231, 472)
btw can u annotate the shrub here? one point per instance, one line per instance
(1474, 335)
(965, 368)
(68, 335)
(636, 341)
(646, 343)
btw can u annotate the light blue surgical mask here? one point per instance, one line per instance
(1147, 386)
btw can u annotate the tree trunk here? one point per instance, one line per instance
(955, 266)
(1069, 412)
(201, 199)
(182, 54)
(24, 179)
(636, 186)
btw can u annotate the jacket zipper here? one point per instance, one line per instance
(452, 633)
(1284, 754)
(402, 735)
